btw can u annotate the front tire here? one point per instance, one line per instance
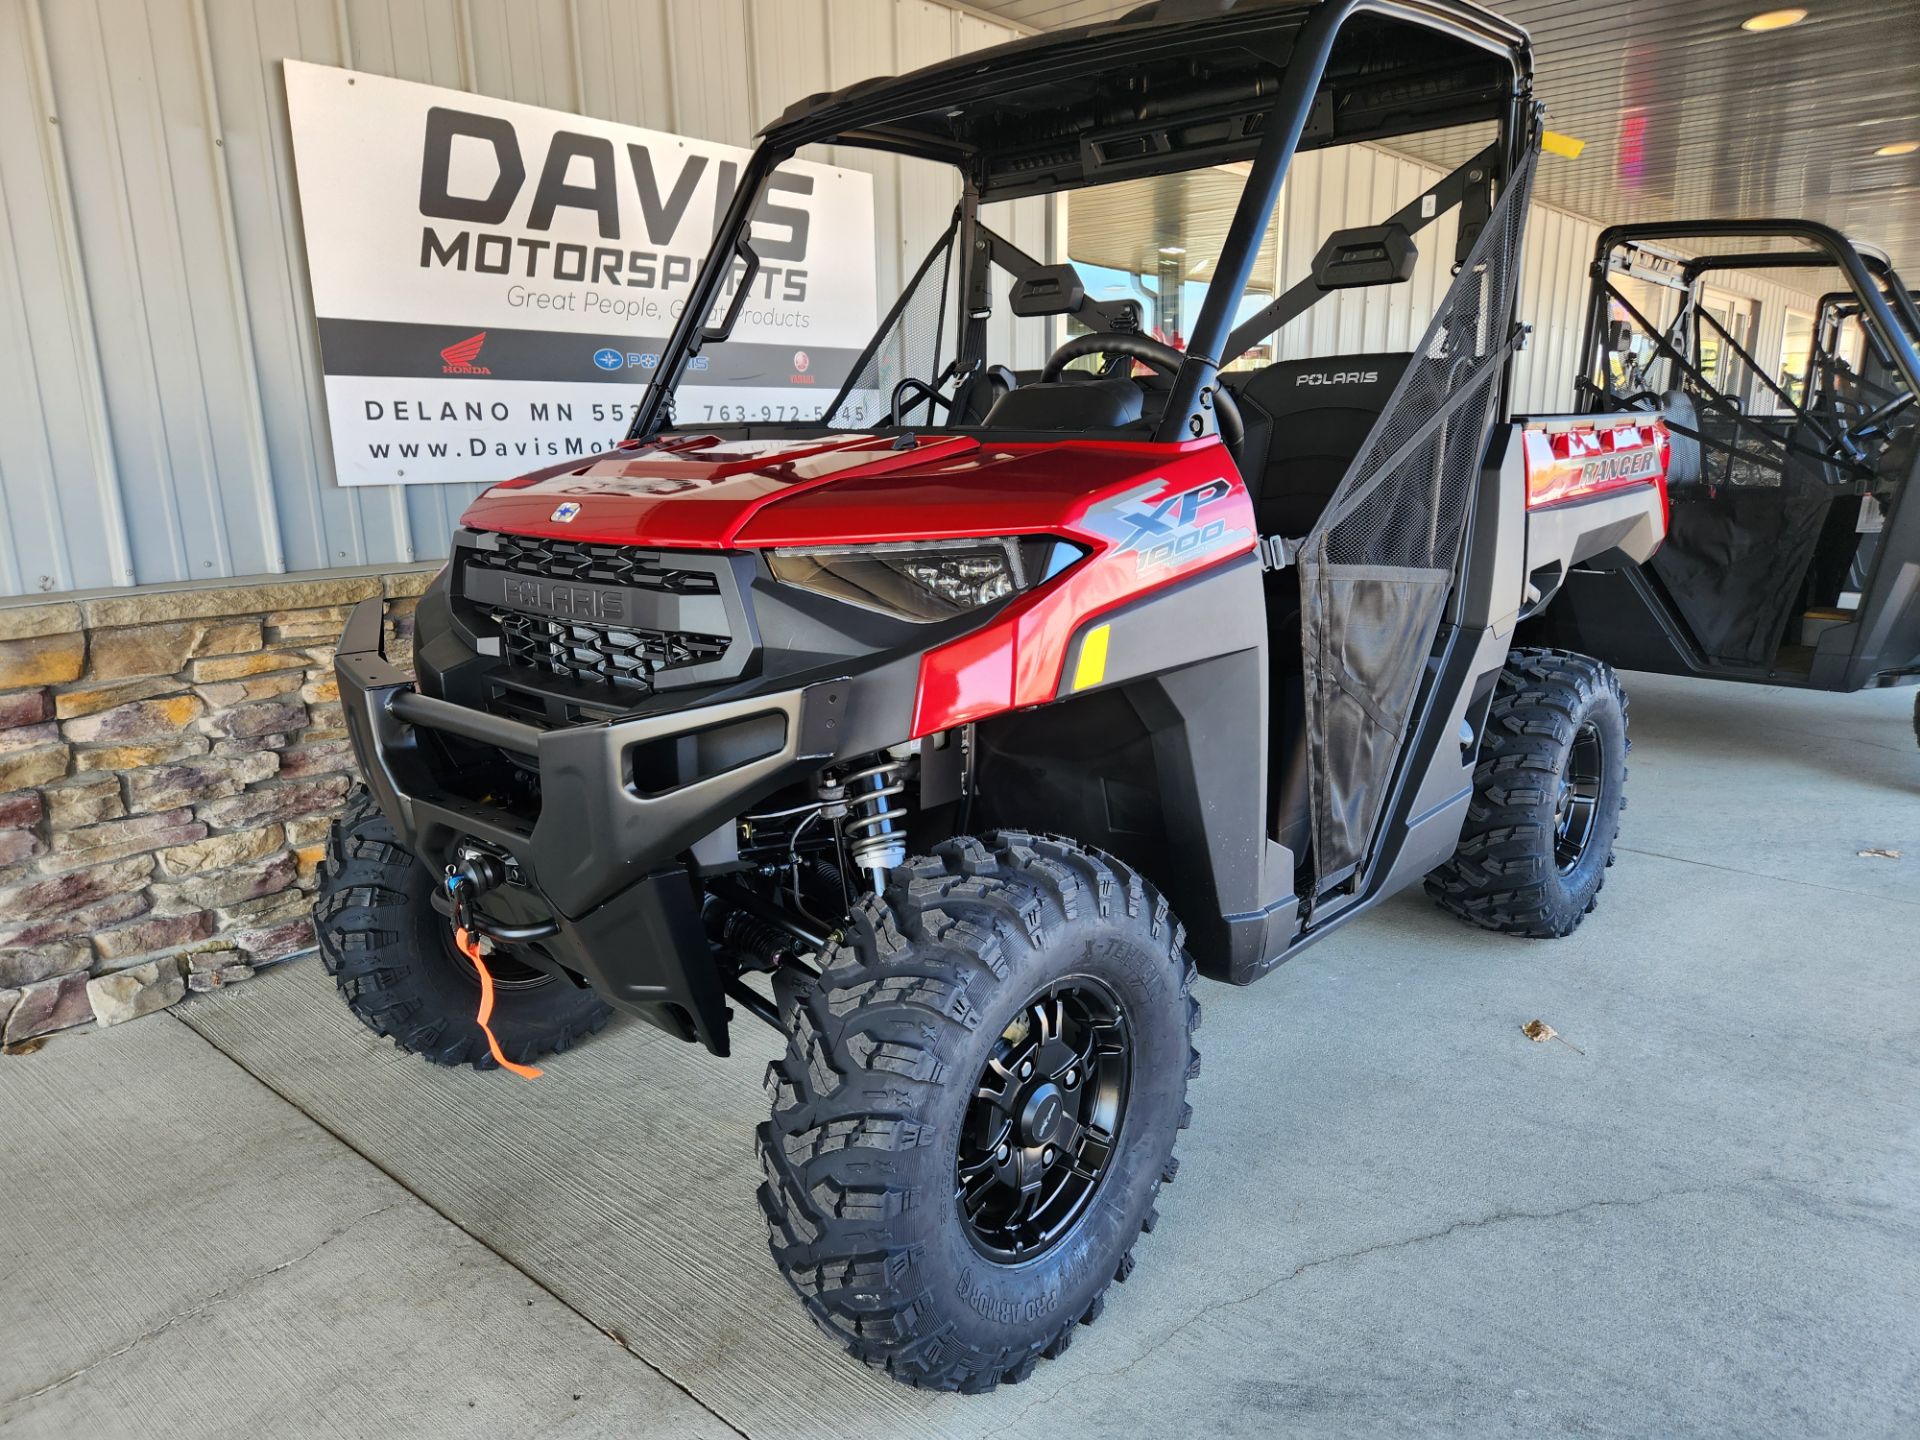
(391, 954)
(1548, 789)
(1005, 1038)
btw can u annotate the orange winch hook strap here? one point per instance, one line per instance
(470, 948)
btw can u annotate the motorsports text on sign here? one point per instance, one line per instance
(494, 282)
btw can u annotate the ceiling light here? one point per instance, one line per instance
(1899, 147)
(1773, 20)
(1173, 249)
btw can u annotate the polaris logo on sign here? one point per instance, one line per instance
(1339, 377)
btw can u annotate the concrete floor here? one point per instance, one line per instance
(1395, 1214)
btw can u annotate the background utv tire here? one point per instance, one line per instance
(875, 1110)
(389, 951)
(1558, 726)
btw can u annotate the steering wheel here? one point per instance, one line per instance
(1151, 352)
(1875, 421)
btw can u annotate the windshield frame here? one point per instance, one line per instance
(860, 118)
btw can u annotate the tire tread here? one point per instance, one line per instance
(1498, 876)
(909, 973)
(362, 922)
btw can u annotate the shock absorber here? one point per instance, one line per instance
(876, 833)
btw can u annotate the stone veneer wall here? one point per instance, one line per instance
(170, 760)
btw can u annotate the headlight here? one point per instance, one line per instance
(925, 579)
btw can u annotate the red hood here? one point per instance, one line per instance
(700, 492)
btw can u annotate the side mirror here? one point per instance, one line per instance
(1371, 255)
(1050, 290)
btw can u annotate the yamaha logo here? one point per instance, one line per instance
(1339, 377)
(801, 360)
(564, 513)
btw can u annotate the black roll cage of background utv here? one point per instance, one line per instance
(1876, 290)
(1296, 40)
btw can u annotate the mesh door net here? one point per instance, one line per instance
(1376, 568)
(916, 342)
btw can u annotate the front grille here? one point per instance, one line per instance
(671, 620)
(599, 564)
(624, 661)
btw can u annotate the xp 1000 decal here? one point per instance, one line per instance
(1158, 534)
(1162, 524)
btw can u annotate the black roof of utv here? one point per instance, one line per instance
(1174, 85)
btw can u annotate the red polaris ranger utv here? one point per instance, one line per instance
(977, 712)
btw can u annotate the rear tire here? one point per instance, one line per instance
(1548, 789)
(391, 955)
(886, 1170)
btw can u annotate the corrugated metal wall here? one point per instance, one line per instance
(1360, 185)
(161, 413)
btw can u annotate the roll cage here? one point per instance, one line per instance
(1168, 87)
(1824, 429)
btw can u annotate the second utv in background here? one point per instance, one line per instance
(1794, 536)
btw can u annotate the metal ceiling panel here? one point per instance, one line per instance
(1686, 114)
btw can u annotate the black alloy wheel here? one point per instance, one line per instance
(976, 1111)
(1549, 782)
(1582, 779)
(1044, 1120)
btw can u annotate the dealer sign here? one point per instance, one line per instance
(494, 282)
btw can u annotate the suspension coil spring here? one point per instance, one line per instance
(875, 834)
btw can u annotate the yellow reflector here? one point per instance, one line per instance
(1554, 143)
(1091, 668)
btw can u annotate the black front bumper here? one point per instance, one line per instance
(618, 803)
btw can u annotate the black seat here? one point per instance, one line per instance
(1306, 420)
(1091, 404)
